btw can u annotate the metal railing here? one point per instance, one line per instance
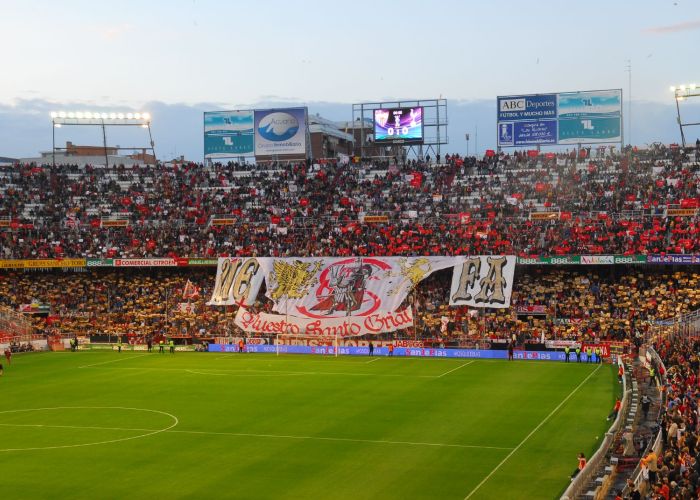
(15, 324)
(592, 465)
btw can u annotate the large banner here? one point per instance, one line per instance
(483, 281)
(228, 133)
(280, 131)
(564, 118)
(349, 326)
(336, 287)
(238, 282)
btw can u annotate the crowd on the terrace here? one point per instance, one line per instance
(676, 472)
(553, 204)
(582, 304)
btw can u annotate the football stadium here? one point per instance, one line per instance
(349, 301)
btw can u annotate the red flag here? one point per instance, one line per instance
(190, 291)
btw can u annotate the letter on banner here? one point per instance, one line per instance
(237, 282)
(483, 281)
(348, 326)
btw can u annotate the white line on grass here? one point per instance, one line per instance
(454, 369)
(531, 433)
(371, 361)
(114, 360)
(287, 372)
(271, 436)
(148, 432)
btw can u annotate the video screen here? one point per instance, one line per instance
(398, 125)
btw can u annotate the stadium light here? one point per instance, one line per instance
(682, 93)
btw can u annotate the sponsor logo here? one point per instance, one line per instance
(597, 259)
(512, 104)
(278, 126)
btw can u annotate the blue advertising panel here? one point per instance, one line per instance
(228, 133)
(419, 352)
(590, 117)
(398, 125)
(280, 131)
(564, 118)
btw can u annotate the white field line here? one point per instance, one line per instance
(148, 432)
(270, 436)
(253, 371)
(243, 374)
(372, 361)
(329, 360)
(531, 433)
(114, 360)
(454, 369)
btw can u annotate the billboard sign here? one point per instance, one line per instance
(280, 131)
(228, 133)
(399, 125)
(564, 118)
(590, 117)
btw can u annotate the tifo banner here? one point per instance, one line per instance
(238, 281)
(328, 287)
(348, 326)
(228, 133)
(483, 281)
(280, 131)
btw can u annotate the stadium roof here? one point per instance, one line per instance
(4, 160)
(327, 127)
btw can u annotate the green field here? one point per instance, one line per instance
(205, 425)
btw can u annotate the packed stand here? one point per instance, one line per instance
(501, 204)
(675, 473)
(586, 303)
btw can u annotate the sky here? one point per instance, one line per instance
(184, 57)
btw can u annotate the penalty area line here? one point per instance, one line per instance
(114, 360)
(454, 369)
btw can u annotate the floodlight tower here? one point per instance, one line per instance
(101, 119)
(681, 93)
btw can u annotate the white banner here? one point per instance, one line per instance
(238, 281)
(336, 287)
(483, 281)
(186, 307)
(348, 326)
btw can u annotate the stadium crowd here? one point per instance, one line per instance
(515, 204)
(676, 473)
(585, 303)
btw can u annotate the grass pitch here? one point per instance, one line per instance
(205, 425)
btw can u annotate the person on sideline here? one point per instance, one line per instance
(581, 464)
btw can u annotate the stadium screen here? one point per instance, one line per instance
(398, 125)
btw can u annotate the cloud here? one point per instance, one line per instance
(114, 32)
(674, 28)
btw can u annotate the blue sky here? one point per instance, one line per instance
(213, 54)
